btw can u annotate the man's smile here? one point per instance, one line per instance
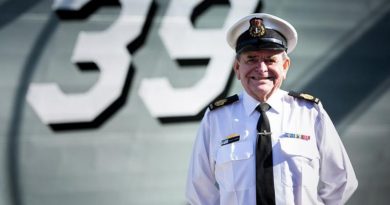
(263, 78)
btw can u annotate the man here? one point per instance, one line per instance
(267, 146)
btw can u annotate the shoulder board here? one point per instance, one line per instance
(223, 102)
(304, 96)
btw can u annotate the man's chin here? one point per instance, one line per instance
(262, 94)
(259, 94)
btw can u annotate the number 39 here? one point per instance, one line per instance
(107, 49)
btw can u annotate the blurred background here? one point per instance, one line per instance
(101, 100)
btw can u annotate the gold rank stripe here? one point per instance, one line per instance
(223, 102)
(304, 96)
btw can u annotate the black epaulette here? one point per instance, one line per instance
(223, 102)
(304, 96)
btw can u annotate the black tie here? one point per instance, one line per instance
(265, 193)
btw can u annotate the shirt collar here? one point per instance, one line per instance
(275, 101)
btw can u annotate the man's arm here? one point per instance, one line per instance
(337, 177)
(201, 186)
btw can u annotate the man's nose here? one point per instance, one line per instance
(261, 67)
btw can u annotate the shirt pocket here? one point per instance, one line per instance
(235, 166)
(300, 166)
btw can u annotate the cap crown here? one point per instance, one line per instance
(262, 31)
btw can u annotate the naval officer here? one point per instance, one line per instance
(266, 145)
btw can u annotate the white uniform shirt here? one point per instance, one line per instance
(311, 165)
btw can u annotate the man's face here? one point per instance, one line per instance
(261, 72)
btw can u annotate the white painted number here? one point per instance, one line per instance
(183, 41)
(107, 49)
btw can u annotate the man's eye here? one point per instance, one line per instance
(252, 60)
(270, 61)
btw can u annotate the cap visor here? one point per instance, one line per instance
(267, 46)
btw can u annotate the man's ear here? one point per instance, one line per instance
(236, 68)
(286, 66)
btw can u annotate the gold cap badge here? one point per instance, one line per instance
(256, 28)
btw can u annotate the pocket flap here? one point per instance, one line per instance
(234, 151)
(297, 147)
